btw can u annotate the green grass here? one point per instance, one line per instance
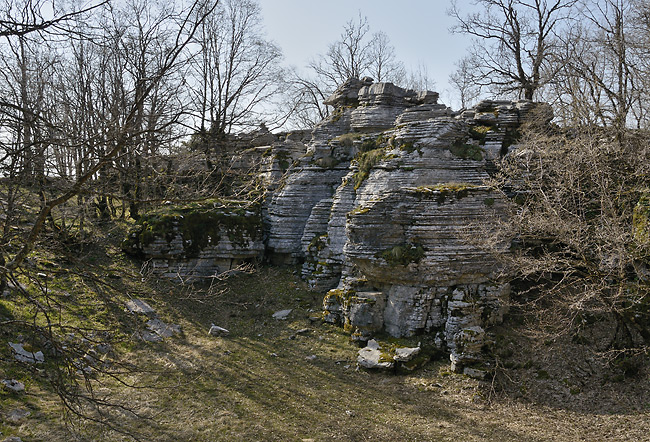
(263, 382)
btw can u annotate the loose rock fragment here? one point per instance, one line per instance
(13, 385)
(23, 355)
(282, 314)
(162, 329)
(215, 330)
(139, 306)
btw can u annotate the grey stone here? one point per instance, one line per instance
(371, 357)
(12, 439)
(148, 336)
(17, 414)
(162, 329)
(103, 348)
(405, 354)
(13, 385)
(347, 94)
(139, 306)
(215, 330)
(282, 314)
(22, 355)
(476, 373)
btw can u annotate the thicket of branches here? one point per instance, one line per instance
(95, 106)
(577, 227)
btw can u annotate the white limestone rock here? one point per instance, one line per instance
(13, 385)
(139, 306)
(371, 357)
(215, 330)
(22, 355)
(282, 314)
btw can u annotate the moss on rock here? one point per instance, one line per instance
(641, 220)
(467, 151)
(198, 224)
(403, 254)
(366, 161)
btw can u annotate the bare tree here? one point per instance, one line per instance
(235, 72)
(356, 54)
(69, 115)
(463, 81)
(345, 58)
(602, 80)
(418, 78)
(515, 40)
(27, 17)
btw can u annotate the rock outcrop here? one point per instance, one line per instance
(378, 207)
(199, 240)
(380, 211)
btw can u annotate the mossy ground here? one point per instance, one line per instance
(265, 381)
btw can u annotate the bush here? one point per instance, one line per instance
(576, 227)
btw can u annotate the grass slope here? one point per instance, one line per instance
(265, 381)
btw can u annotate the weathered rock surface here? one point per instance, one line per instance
(17, 414)
(387, 225)
(139, 306)
(215, 330)
(13, 385)
(378, 207)
(282, 314)
(199, 240)
(379, 356)
(22, 355)
(162, 329)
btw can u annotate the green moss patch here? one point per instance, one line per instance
(443, 190)
(467, 151)
(199, 225)
(403, 254)
(366, 161)
(317, 243)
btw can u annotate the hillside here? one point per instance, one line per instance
(293, 379)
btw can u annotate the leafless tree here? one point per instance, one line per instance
(463, 81)
(514, 42)
(76, 104)
(235, 72)
(356, 54)
(602, 80)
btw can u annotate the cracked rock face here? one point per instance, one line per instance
(387, 226)
(378, 209)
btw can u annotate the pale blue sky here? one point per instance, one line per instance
(418, 29)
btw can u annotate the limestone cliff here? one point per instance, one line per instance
(377, 208)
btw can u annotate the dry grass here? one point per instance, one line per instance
(265, 382)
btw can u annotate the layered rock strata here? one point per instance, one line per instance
(381, 210)
(198, 240)
(380, 206)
